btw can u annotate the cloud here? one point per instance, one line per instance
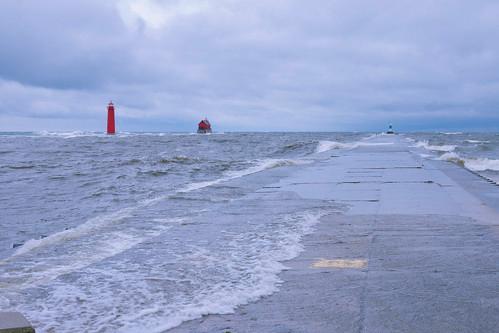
(251, 65)
(155, 14)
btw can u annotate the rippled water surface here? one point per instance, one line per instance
(115, 233)
(140, 232)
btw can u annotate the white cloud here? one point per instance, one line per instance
(158, 14)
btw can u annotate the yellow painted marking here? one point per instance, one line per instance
(340, 263)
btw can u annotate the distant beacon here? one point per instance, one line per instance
(390, 130)
(111, 129)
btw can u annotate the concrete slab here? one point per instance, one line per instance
(14, 322)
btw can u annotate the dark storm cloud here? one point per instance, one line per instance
(271, 65)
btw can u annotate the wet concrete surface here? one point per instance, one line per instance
(417, 250)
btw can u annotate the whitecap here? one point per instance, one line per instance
(325, 145)
(474, 164)
(477, 141)
(261, 165)
(425, 144)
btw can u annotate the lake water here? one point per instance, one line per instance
(147, 230)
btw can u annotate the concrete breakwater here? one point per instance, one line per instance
(416, 251)
(14, 322)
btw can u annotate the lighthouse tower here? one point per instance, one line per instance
(111, 129)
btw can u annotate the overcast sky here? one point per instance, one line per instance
(322, 65)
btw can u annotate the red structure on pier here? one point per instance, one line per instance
(111, 129)
(204, 126)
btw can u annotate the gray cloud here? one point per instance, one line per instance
(250, 65)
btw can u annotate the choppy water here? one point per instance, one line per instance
(101, 233)
(117, 233)
(478, 152)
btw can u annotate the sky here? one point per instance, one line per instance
(259, 65)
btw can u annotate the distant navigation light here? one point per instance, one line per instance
(390, 130)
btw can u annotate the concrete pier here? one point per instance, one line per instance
(14, 322)
(416, 251)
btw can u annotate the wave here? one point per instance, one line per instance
(329, 145)
(78, 134)
(19, 167)
(451, 133)
(473, 164)
(251, 264)
(476, 141)
(154, 173)
(325, 145)
(68, 135)
(425, 144)
(197, 134)
(115, 217)
(71, 233)
(260, 166)
(132, 161)
(179, 159)
(251, 253)
(307, 146)
(77, 255)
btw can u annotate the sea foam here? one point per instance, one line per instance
(325, 145)
(474, 164)
(477, 141)
(254, 255)
(427, 146)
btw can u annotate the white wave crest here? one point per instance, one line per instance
(427, 146)
(482, 164)
(477, 141)
(260, 166)
(329, 145)
(264, 266)
(474, 164)
(77, 255)
(82, 229)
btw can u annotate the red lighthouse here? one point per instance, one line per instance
(110, 119)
